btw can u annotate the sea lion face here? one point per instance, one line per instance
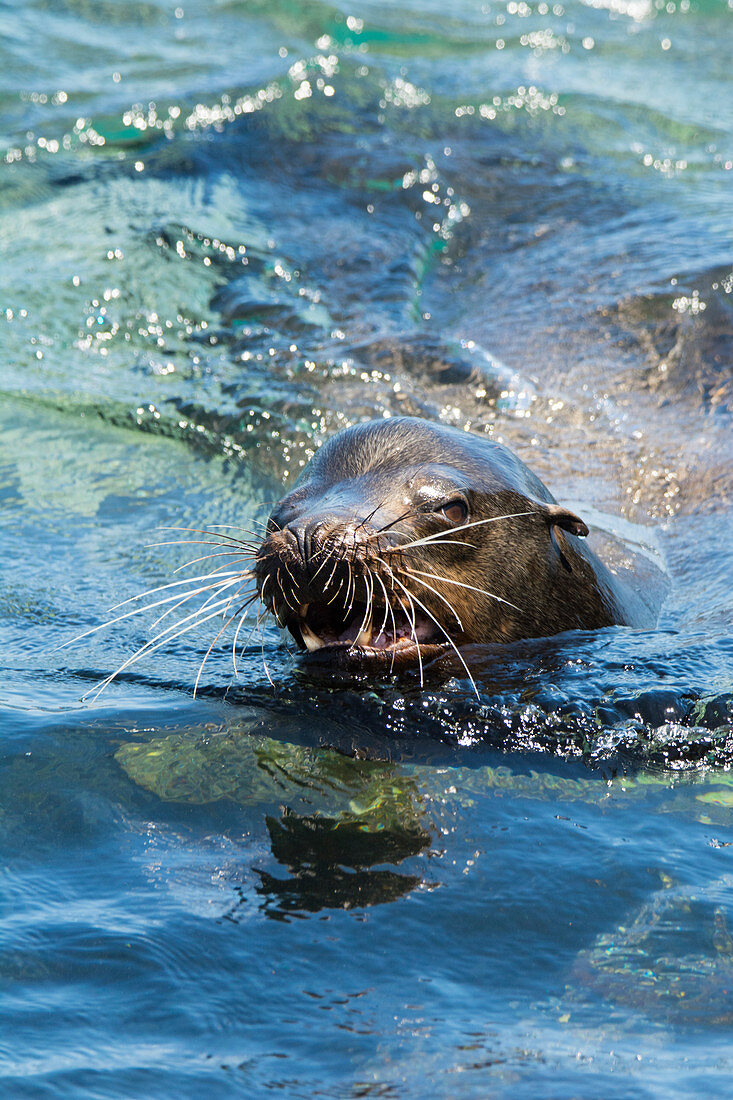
(404, 537)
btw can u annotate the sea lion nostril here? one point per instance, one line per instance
(311, 537)
(324, 536)
(316, 535)
(299, 531)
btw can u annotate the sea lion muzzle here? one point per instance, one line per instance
(332, 581)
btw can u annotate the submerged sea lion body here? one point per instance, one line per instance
(402, 537)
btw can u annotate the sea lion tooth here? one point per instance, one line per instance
(364, 637)
(311, 639)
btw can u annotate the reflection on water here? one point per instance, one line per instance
(229, 231)
(361, 813)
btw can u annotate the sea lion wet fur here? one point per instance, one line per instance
(346, 547)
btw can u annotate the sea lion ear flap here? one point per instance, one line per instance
(561, 517)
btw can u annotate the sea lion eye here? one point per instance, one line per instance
(455, 511)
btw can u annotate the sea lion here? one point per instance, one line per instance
(403, 537)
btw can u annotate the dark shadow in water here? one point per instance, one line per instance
(314, 889)
(304, 839)
(328, 862)
(615, 698)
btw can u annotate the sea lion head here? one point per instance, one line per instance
(404, 537)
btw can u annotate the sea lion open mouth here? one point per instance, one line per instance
(320, 627)
(341, 586)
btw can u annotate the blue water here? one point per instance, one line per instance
(229, 229)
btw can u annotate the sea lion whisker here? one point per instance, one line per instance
(282, 587)
(250, 598)
(224, 569)
(273, 610)
(447, 635)
(139, 610)
(218, 588)
(264, 552)
(387, 526)
(258, 624)
(226, 539)
(216, 637)
(207, 557)
(354, 547)
(285, 598)
(336, 594)
(172, 584)
(268, 526)
(425, 541)
(448, 604)
(352, 581)
(236, 546)
(368, 596)
(219, 604)
(148, 648)
(211, 530)
(232, 548)
(247, 640)
(367, 519)
(388, 607)
(320, 567)
(437, 536)
(394, 581)
(214, 527)
(353, 589)
(143, 651)
(405, 515)
(471, 587)
(327, 584)
(369, 586)
(204, 605)
(246, 607)
(221, 601)
(412, 619)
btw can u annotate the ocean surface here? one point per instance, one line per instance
(227, 230)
